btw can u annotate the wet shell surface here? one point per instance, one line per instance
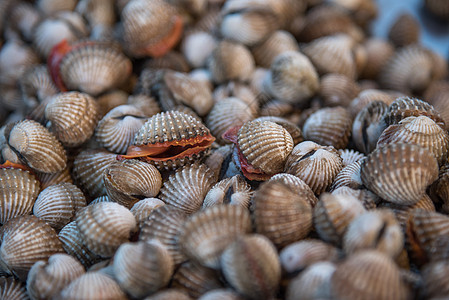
(37, 147)
(399, 173)
(18, 192)
(58, 204)
(24, 241)
(207, 233)
(233, 191)
(72, 117)
(257, 279)
(105, 226)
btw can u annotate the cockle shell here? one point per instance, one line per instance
(437, 95)
(378, 52)
(109, 100)
(15, 58)
(169, 294)
(404, 31)
(100, 16)
(350, 156)
(72, 117)
(187, 188)
(367, 96)
(93, 286)
(435, 284)
(144, 208)
(233, 191)
(276, 43)
(265, 267)
(197, 46)
(329, 126)
(221, 294)
(376, 272)
(333, 214)
(399, 173)
(242, 91)
(18, 192)
(50, 7)
(165, 224)
(172, 60)
(37, 147)
(338, 90)
(129, 181)
(105, 226)
(142, 268)
(291, 127)
(218, 160)
(208, 232)
(147, 105)
(439, 190)
(58, 204)
(24, 241)
(281, 214)
(22, 19)
(368, 199)
(298, 186)
(11, 288)
(46, 279)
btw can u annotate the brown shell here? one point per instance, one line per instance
(348, 176)
(300, 255)
(404, 31)
(265, 266)
(378, 52)
(350, 156)
(18, 192)
(26, 240)
(367, 96)
(376, 272)
(144, 208)
(94, 68)
(208, 232)
(105, 226)
(338, 90)
(165, 224)
(329, 126)
(109, 100)
(437, 95)
(142, 268)
(437, 8)
(147, 105)
(169, 294)
(399, 173)
(233, 191)
(38, 148)
(221, 294)
(281, 214)
(244, 92)
(50, 7)
(11, 288)
(46, 279)
(15, 58)
(47, 179)
(298, 186)
(434, 276)
(291, 127)
(276, 43)
(58, 204)
(368, 199)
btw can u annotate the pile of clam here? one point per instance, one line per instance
(221, 149)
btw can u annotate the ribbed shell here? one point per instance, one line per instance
(316, 165)
(329, 126)
(370, 95)
(58, 204)
(147, 105)
(105, 226)
(47, 179)
(348, 176)
(293, 78)
(297, 185)
(421, 131)
(93, 286)
(280, 214)
(368, 199)
(399, 173)
(221, 294)
(38, 148)
(234, 191)
(94, 68)
(245, 92)
(46, 279)
(11, 288)
(208, 232)
(72, 242)
(333, 214)
(350, 156)
(278, 42)
(375, 272)
(378, 52)
(404, 31)
(187, 188)
(299, 255)
(24, 241)
(144, 208)
(169, 294)
(165, 224)
(338, 90)
(88, 169)
(291, 127)
(435, 281)
(251, 265)
(109, 100)
(142, 268)
(72, 117)
(18, 192)
(227, 113)
(129, 181)
(265, 145)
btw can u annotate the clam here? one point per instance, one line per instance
(350, 156)
(15, 58)
(142, 268)
(144, 208)
(72, 117)
(132, 180)
(281, 214)
(105, 226)
(109, 100)
(165, 224)
(47, 179)
(349, 176)
(169, 294)
(170, 139)
(291, 127)
(100, 16)
(434, 279)
(36, 146)
(11, 288)
(378, 52)
(404, 31)
(399, 173)
(338, 90)
(436, 94)
(265, 266)
(207, 233)
(297, 185)
(244, 92)
(440, 188)
(276, 43)
(22, 19)
(18, 192)
(219, 159)
(147, 105)
(262, 148)
(50, 7)
(197, 46)
(58, 204)
(367, 96)
(46, 279)
(24, 241)
(368, 199)
(233, 191)
(221, 294)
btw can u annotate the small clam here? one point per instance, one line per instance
(22, 19)
(172, 60)
(46, 279)
(378, 52)
(105, 226)
(338, 90)
(350, 156)
(72, 117)
(197, 46)
(25, 240)
(399, 173)
(233, 191)
(297, 185)
(221, 294)
(170, 139)
(439, 190)
(142, 268)
(169, 294)
(144, 208)
(147, 105)
(58, 204)
(100, 16)
(367, 96)
(349, 176)
(109, 100)
(404, 31)
(207, 233)
(281, 214)
(265, 266)
(278, 42)
(291, 127)
(368, 199)
(11, 288)
(244, 92)
(434, 276)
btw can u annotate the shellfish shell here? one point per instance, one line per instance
(144, 208)
(197, 46)
(404, 31)
(298, 186)
(11, 288)
(233, 191)
(278, 42)
(434, 278)
(378, 52)
(338, 90)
